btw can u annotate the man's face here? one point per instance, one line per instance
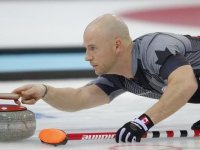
(100, 52)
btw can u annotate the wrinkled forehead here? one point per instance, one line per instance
(91, 30)
(96, 32)
(90, 37)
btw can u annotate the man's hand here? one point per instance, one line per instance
(31, 93)
(134, 130)
(129, 132)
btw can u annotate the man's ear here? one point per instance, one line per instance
(118, 44)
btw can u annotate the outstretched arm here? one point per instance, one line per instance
(69, 99)
(66, 99)
(181, 86)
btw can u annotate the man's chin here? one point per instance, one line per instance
(98, 73)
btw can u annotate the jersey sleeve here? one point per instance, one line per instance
(108, 84)
(164, 55)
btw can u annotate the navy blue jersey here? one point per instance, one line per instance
(154, 57)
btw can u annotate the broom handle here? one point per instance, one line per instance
(149, 134)
(9, 96)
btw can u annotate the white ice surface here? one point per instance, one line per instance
(104, 118)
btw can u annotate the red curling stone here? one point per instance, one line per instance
(16, 123)
(10, 108)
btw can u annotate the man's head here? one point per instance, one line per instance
(105, 39)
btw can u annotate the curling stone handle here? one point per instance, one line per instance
(9, 96)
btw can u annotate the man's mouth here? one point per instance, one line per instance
(94, 66)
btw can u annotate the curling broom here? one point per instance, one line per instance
(59, 137)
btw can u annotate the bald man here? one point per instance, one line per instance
(162, 66)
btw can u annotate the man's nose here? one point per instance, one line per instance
(88, 57)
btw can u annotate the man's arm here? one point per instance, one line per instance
(66, 99)
(181, 86)
(69, 99)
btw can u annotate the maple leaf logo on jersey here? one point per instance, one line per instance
(162, 56)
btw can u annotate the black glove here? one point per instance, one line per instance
(134, 130)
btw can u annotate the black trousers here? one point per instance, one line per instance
(195, 41)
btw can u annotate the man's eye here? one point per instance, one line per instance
(92, 48)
